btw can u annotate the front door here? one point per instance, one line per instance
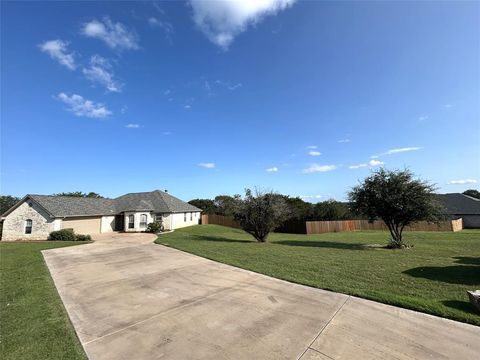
(119, 222)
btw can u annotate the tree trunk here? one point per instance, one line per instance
(396, 233)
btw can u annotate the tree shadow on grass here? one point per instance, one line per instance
(461, 305)
(467, 260)
(457, 274)
(219, 239)
(322, 244)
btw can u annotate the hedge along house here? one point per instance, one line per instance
(35, 216)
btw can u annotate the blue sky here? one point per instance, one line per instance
(304, 98)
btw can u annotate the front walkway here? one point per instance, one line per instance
(131, 299)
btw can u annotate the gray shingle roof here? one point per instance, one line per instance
(158, 201)
(61, 206)
(459, 204)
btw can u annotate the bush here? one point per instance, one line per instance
(81, 237)
(154, 227)
(62, 235)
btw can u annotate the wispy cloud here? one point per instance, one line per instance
(228, 85)
(396, 151)
(371, 163)
(272, 169)
(423, 118)
(314, 153)
(167, 133)
(101, 71)
(83, 107)
(115, 35)
(314, 168)
(208, 165)
(57, 49)
(166, 26)
(462, 182)
(132, 126)
(312, 197)
(344, 141)
(221, 21)
(313, 147)
(188, 106)
(448, 106)
(124, 109)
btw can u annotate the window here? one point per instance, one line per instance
(184, 217)
(191, 216)
(28, 226)
(159, 217)
(131, 222)
(143, 221)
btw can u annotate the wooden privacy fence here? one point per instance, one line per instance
(219, 220)
(320, 227)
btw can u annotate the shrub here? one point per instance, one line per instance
(81, 237)
(154, 227)
(62, 235)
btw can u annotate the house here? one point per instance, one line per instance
(35, 216)
(462, 206)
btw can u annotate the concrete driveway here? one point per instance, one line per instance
(131, 299)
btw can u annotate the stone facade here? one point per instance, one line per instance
(14, 223)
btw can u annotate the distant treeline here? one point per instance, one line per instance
(299, 210)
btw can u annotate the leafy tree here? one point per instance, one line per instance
(207, 205)
(331, 210)
(80, 194)
(260, 213)
(6, 202)
(225, 204)
(396, 198)
(473, 193)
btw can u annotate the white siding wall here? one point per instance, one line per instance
(108, 224)
(137, 220)
(14, 223)
(179, 222)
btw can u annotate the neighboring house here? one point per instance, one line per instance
(35, 216)
(462, 206)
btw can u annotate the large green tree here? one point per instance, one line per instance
(207, 205)
(398, 199)
(259, 213)
(472, 193)
(6, 202)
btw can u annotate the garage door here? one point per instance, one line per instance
(83, 225)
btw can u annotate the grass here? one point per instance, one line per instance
(34, 323)
(431, 277)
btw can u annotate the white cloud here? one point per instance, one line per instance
(314, 153)
(371, 163)
(207, 165)
(314, 168)
(234, 87)
(57, 49)
(423, 118)
(358, 166)
(164, 25)
(272, 169)
(400, 150)
(396, 151)
(344, 141)
(448, 106)
(221, 21)
(311, 196)
(101, 71)
(462, 182)
(115, 35)
(188, 106)
(312, 147)
(83, 107)
(132, 126)
(167, 133)
(124, 109)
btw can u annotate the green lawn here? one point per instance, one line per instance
(431, 277)
(33, 321)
